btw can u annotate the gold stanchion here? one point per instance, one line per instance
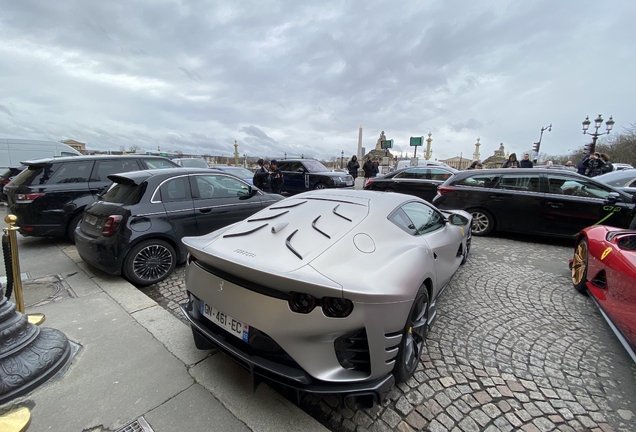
(17, 420)
(36, 319)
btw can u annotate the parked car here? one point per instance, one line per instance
(6, 177)
(135, 229)
(419, 181)
(533, 200)
(621, 166)
(240, 172)
(405, 163)
(346, 305)
(302, 175)
(624, 180)
(191, 162)
(50, 195)
(14, 151)
(604, 265)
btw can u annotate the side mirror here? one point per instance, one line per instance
(614, 197)
(457, 220)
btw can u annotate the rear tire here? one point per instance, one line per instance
(483, 222)
(413, 336)
(149, 262)
(579, 266)
(70, 228)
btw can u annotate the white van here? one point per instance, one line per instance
(13, 151)
(420, 162)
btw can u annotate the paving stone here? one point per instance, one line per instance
(491, 410)
(443, 400)
(403, 406)
(482, 397)
(445, 420)
(436, 426)
(391, 417)
(416, 421)
(362, 419)
(480, 417)
(503, 424)
(543, 424)
(469, 425)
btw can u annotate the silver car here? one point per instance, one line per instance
(329, 291)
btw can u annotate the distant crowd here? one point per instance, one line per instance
(592, 164)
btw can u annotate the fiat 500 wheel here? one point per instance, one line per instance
(579, 266)
(150, 262)
(483, 222)
(413, 337)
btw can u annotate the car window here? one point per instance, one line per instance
(193, 163)
(126, 194)
(399, 218)
(70, 172)
(424, 218)
(519, 182)
(289, 166)
(314, 166)
(413, 173)
(438, 174)
(577, 187)
(632, 184)
(104, 168)
(219, 186)
(64, 153)
(176, 189)
(158, 163)
(479, 180)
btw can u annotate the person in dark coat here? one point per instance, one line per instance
(262, 178)
(526, 162)
(594, 165)
(353, 166)
(512, 162)
(276, 177)
(376, 167)
(580, 168)
(368, 168)
(608, 167)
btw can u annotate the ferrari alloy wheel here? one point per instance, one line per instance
(150, 262)
(579, 266)
(483, 222)
(320, 186)
(413, 337)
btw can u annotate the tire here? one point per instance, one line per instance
(483, 222)
(320, 186)
(70, 228)
(149, 262)
(413, 337)
(579, 266)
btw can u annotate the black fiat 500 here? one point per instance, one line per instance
(301, 175)
(529, 200)
(135, 229)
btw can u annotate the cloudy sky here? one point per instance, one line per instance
(300, 77)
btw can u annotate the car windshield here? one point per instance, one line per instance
(126, 194)
(194, 163)
(241, 172)
(314, 166)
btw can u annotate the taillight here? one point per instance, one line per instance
(336, 307)
(5, 182)
(110, 226)
(27, 198)
(369, 181)
(443, 190)
(301, 302)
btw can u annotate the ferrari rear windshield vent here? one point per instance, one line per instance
(268, 217)
(335, 211)
(287, 206)
(352, 351)
(245, 232)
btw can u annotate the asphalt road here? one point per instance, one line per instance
(514, 347)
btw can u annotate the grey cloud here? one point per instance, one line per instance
(470, 124)
(6, 110)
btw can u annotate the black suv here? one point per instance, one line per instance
(301, 175)
(50, 195)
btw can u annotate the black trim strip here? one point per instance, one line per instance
(245, 233)
(267, 217)
(338, 214)
(313, 225)
(287, 206)
(290, 247)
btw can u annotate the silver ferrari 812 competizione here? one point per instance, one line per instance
(329, 291)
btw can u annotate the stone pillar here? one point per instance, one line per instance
(476, 154)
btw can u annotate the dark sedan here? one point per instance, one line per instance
(301, 175)
(624, 180)
(137, 226)
(421, 181)
(539, 201)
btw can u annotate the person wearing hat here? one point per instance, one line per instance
(262, 176)
(276, 177)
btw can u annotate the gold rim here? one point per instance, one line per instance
(579, 263)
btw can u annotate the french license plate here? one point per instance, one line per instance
(91, 219)
(349, 182)
(233, 326)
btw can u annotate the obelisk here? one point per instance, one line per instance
(360, 143)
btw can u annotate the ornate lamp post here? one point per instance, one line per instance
(597, 124)
(342, 159)
(535, 149)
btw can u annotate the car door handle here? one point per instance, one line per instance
(496, 198)
(205, 210)
(555, 204)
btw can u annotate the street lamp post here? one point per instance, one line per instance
(342, 159)
(537, 145)
(597, 124)
(285, 155)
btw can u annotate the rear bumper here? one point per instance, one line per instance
(103, 253)
(289, 376)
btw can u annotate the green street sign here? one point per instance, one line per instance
(386, 144)
(417, 141)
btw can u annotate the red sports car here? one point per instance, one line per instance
(605, 264)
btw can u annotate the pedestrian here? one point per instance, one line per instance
(512, 162)
(570, 166)
(262, 179)
(526, 162)
(376, 167)
(594, 165)
(475, 165)
(353, 166)
(608, 167)
(276, 177)
(549, 164)
(368, 169)
(581, 167)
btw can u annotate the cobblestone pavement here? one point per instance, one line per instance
(514, 347)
